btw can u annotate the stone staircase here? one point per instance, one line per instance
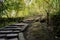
(13, 32)
(33, 19)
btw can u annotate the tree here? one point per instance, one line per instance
(1, 8)
(11, 5)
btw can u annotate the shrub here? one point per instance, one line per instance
(56, 23)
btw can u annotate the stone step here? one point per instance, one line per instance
(23, 26)
(8, 35)
(13, 29)
(12, 35)
(19, 24)
(2, 38)
(2, 35)
(28, 21)
(10, 29)
(13, 39)
(8, 32)
(13, 32)
(9, 39)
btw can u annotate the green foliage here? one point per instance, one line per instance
(2, 8)
(8, 21)
(55, 18)
(10, 5)
(35, 7)
(13, 4)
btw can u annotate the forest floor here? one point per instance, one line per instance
(37, 29)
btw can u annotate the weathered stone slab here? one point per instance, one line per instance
(21, 36)
(28, 21)
(8, 32)
(2, 39)
(10, 26)
(13, 39)
(13, 29)
(12, 35)
(10, 29)
(19, 24)
(2, 35)
(23, 26)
